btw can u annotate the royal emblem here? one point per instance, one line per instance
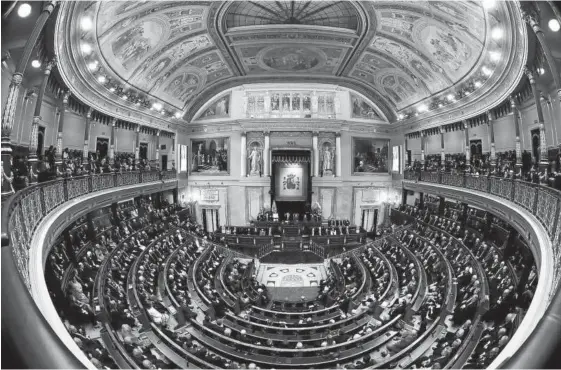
(291, 182)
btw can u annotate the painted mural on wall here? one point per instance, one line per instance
(210, 156)
(291, 58)
(218, 109)
(362, 109)
(370, 155)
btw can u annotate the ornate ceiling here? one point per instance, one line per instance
(398, 54)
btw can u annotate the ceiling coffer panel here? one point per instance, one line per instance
(401, 53)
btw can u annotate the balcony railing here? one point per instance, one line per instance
(542, 201)
(545, 204)
(23, 211)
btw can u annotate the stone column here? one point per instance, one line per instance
(516, 121)
(85, 154)
(243, 151)
(316, 153)
(158, 145)
(338, 154)
(492, 138)
(442, 155)
(423, 134)
(33, 140)
(137, 143)
(551, 116)
(59, 144)
(12, 99)
(468, 151)
(112, 142)
(406, 147)
(173, 152)
(531, 19)
(266, 154)
(543, 145)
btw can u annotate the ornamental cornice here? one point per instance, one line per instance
(501, 85)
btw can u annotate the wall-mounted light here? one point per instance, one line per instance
(541, 70)
(24, 10)
(35, 63)
(554, 25)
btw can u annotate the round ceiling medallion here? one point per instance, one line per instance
(291, 58)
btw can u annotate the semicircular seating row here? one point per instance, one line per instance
(427, 296)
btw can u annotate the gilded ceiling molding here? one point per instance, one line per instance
(499, 85)
(83, 85)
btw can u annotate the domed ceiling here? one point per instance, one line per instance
(180, 54)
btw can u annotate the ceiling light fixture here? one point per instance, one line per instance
(157, 106)
(86, 48)
(477, 84)
(24, 10)
(486, 71)
(489, 4)
(86, 23)
(450, 97)
(35, 63)
(541, 70)
(101, 79)
(93, 66)
(124, 97)
(422, 108)
(440, 105)
(497, 33)
(554, 25)
(112, 89)
(178, 115)
(495, 56)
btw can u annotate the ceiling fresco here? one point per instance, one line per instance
(399, 53)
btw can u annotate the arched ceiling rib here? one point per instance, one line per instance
(177, 52)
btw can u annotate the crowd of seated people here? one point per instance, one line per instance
(510, 290)
(505, 167)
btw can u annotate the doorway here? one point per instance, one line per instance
(164, 162)
(211, 219)
(102, 147)
(143, 151)
(535, 134)
(369, 219)
(40, 140)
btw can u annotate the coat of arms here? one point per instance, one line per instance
(291, 182)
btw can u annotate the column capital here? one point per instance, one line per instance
(65, 98)
(465, 123)
(338, 134)
(544, 98)
(513, 102)
(489, 116)
(530, 74)
(113, 121)
(89, 113)
(36, 120)
(137, 128)
(17, 78)
(158, 133)
(244, 133)
(315, 133)
(532, 19)
(441, 129)
(266, 133)
(50, 6)
(49, 66)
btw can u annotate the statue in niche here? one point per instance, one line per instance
(327, 161)
(254, 158)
